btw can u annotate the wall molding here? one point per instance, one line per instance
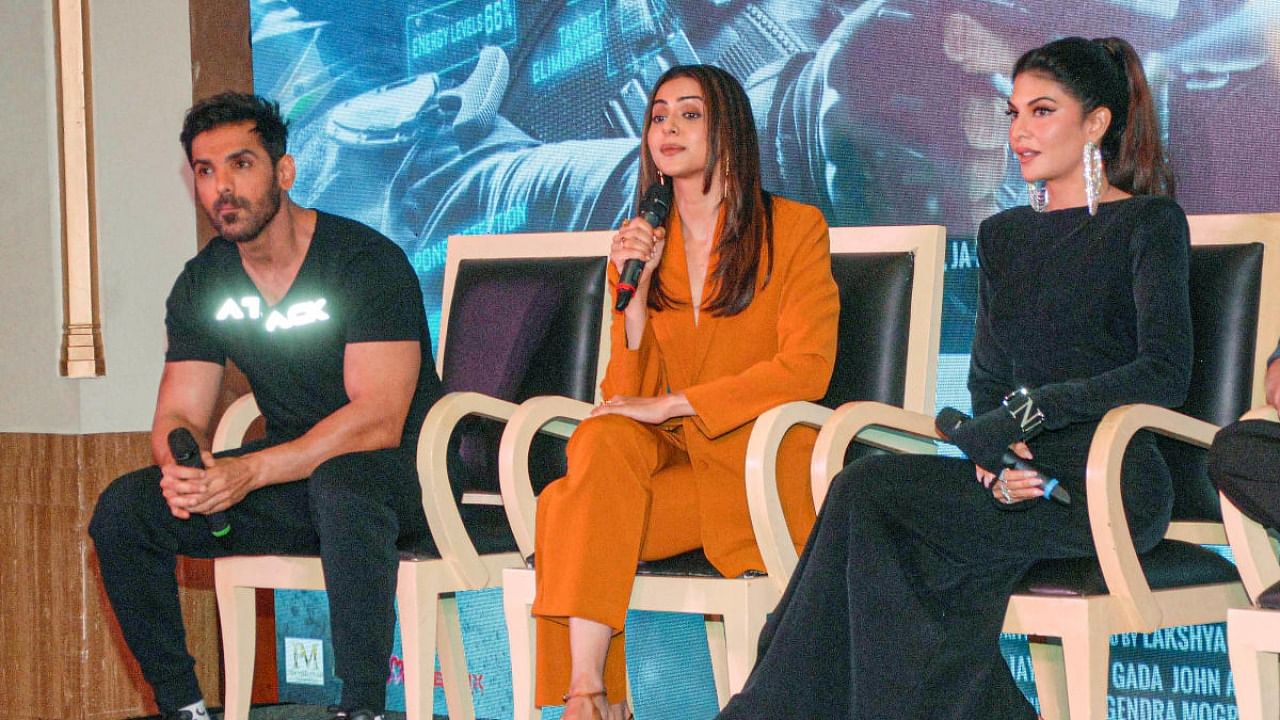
(82, 354)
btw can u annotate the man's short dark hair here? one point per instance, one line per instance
(234, 107)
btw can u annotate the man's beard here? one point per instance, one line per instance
(253, 218)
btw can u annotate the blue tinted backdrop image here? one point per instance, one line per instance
(426, 119)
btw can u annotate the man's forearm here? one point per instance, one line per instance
(351, 428)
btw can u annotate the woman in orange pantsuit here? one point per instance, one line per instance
(658, 468)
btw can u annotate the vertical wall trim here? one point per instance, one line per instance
(82, 352)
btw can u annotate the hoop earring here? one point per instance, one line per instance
(1092, 176)
(1038, 195)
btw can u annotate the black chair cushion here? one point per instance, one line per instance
(691, 564)
(520, 328)
(488, 528)
(1171, 563)
(1226, 282)
(875, 320)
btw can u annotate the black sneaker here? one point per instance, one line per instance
(361, 714)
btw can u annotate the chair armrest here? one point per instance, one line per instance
(551, 414)
(872, 423)
(235, 422)
(1251, 544)
(763, 502)
(443, 517)
(1112, 540)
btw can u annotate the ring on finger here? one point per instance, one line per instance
(1004, 493)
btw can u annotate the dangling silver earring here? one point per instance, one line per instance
(1092, 176)
(1039, 196)
(661, 178)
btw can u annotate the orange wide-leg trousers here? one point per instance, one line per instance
(629, 496)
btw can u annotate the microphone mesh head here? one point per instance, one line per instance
(656, 204)
(948, 420)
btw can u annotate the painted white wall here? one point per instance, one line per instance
(141, 65)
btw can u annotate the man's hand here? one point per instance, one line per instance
(220, 485)
(1273, 385)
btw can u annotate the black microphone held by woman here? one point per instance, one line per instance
(949, 423)
(654, 208)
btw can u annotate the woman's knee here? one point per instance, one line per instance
(605, 433)
(864, 478)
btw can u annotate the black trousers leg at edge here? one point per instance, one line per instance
(137, 541)
(1244, 463)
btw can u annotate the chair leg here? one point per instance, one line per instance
(238, 615)
(453, 661)
(1256, 669)
(742, 633)
(517, 604)
(1050, 671)
(417, 601)
(719, 652)
(1086, 656)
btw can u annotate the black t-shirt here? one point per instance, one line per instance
(354, 286)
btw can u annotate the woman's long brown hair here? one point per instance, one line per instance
(748, 218)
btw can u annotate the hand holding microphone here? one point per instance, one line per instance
(654, 208)
(986, 440)
(186, 453)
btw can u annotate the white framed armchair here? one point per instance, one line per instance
(890, 281)
(1069, 609)
(523, 315)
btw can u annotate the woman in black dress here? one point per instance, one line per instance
(896, 607)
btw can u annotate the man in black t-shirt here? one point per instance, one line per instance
(325, 317)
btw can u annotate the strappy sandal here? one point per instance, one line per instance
(595, 711)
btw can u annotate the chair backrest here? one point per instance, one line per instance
(523, 315)
(890, 281)
(1235, 269)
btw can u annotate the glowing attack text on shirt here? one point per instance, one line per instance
(250, 307)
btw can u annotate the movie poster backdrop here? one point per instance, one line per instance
(425, 118)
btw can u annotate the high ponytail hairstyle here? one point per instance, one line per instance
(1108, 73)
(733, 149)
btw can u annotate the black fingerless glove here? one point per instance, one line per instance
(986, 438)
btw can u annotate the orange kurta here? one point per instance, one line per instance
(640, 492)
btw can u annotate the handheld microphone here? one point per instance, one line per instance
(950, 418)
(654, 208)
(187, 454)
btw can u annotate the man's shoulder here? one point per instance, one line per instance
(212, 260)
(348, 232)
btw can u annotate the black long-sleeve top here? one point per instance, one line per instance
(1088, 313)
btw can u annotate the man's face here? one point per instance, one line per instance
(236, 184)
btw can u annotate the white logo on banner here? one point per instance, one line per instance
(303, 661)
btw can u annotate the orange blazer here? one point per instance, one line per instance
(782, 347)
